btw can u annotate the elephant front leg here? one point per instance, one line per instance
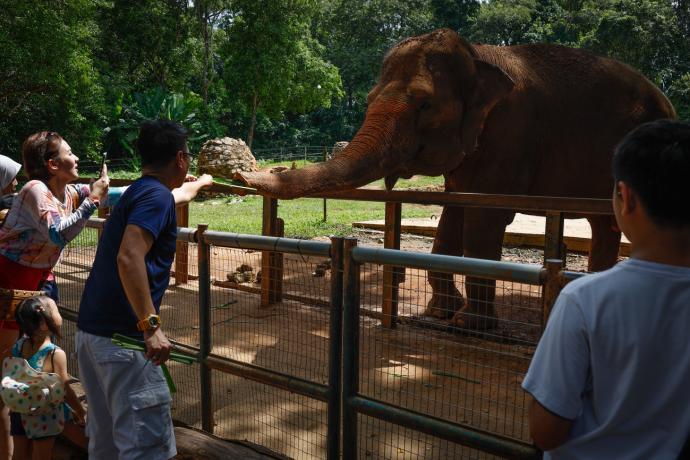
(446, 299)
(480, 313)
(483, 239)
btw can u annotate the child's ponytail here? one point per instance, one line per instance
(29, 314)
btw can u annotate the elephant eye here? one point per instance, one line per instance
(426, 105)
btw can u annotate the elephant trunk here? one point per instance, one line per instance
(365, 159)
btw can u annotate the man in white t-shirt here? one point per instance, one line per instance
(611, 375)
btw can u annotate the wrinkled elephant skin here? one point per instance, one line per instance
(526, 120)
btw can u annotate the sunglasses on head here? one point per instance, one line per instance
(49, 153)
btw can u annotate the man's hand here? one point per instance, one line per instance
(189, 189)
(158, 346)
(206, 180)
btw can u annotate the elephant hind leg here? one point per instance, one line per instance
(606, 238)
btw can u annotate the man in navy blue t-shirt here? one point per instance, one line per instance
(129, 401)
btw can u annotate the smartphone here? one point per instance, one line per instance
(105, 157)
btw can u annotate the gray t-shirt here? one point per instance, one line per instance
(615, 359)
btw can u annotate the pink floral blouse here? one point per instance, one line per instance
(38, 225)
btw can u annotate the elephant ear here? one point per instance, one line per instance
(492, 85)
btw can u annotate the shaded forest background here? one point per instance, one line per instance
(275, 72)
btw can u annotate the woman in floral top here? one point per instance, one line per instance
(45, 216)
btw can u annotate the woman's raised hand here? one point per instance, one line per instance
(99, 188)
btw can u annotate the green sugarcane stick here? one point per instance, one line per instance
(168, 379)
(137, 345)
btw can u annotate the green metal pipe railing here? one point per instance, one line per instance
(335, 347)
(443, 429)
(205, 327)
(268, 243)
(509, 271)
(350, 385)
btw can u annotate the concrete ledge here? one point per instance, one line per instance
(525, 231)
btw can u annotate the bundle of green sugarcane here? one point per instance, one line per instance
(137, 345)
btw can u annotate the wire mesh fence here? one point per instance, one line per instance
(429, 365)
(292, 153)
(421, 363)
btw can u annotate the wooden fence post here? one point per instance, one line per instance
(182, 248)
(552, 287)
(392, 276)
(553, 237)
(271, 262)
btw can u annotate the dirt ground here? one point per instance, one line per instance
(423, 365)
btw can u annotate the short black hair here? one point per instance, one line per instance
(159, 141)
(29, 314)
(654, 161)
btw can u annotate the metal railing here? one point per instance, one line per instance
(345, 321)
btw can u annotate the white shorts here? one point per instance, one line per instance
(129, 402)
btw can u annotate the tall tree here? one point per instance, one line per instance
(208, 14)
(359, 32)
(148, 43)
(643, 33)
(504, 22)
(272, 61)
(454, 14)
(47, 77)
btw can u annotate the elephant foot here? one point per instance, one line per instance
(475, 320)
(443, 306)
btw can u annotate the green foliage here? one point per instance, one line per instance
(504, 22)
(643, 33)
(454, 14)
(285, 72)
(152, 105)
(650, 35)
(48, 80)
(273, 64)
(147, 43)
(679, 92)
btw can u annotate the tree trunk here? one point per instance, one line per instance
(204, 16)
(255, 106)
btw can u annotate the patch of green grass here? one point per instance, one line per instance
(303, 217)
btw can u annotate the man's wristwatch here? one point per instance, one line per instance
(149, 323)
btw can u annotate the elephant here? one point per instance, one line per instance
(536, 119)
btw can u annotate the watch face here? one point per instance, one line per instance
(153, 321)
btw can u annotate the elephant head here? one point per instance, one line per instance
(424, 115)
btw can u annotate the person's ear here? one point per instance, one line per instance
(52, 165)
(628, 198)
(180, 159)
